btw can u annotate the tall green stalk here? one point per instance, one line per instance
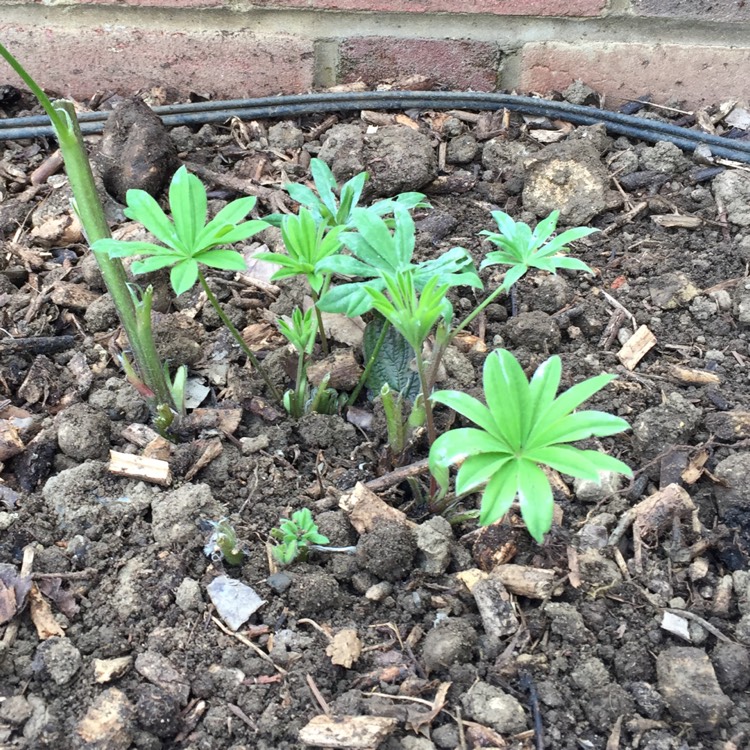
(89, 209)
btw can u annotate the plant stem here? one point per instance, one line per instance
(89, 209)
(426, 390)
(321, 331)
(370, 363)
(473, 314)
(238, 338)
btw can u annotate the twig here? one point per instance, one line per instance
(397, 476)
(318, 695)
(703, 623)
(241, 638)
(460, 725)
(528, 684)
(240, 714)
(72, 576)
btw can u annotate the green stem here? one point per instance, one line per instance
(321, 331)
(91, 214)
(238, 338)
(473, 314)
(370, 363)
(426, 390)
(300, 387)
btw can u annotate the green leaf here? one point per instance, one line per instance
(227, 218)
(325, 183)
(153, 263)
(183, 276)
(470, 408)
(579, 426)
(238, 233)
(535, 499)
(144, 209)
(393, 364)
(572, 264)
(478, 470)
(345, 265)
(349, 299)
(189, 206)
(499, 494)
(507, 392)
(454, 446)
(226, 260)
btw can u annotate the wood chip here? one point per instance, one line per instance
(365, 509)
(73, 296)
(41, 615)
(693, 376)
(351, 732)
(159, 448)
(139, 434)
(211, 449)
(106, 670)
(139, 467)
(10, 442)
(523, 580)
(669, 221)
(636, 347)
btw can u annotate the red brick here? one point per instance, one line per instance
(156, 3)
(79, 62)
(494, 7)
(696, 75)
(699, 10)
(453, 64)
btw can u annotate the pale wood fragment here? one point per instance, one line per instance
(523, 580)
(636, 347)
(693, 376)
(10, 442)
(139, 467)
(139, 434)
(351, 732)
(365, 509)
(669, 221)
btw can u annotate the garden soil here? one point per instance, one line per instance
(629, 627)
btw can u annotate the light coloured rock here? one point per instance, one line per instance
(434, 538)
(688, 684)
(588, 491)
(108, 723)
(493, 707)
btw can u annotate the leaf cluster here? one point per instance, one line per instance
(295, 536)
(521, 248)
(187, 239)
(522, 427)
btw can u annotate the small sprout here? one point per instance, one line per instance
(296, 536)
(223, 543)
(521, 248)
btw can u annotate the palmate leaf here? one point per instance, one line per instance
(189, 205)
(144, 209)
(523, 427)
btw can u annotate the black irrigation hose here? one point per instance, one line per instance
(299, 104)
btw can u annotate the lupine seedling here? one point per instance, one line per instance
(330, 210)
(522, 249)
(223, 543)
(296, 536)
(189, 242)
(523, 427)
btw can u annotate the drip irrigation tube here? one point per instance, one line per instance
(290, 106)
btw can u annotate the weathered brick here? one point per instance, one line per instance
(156, 3)
(79, 62)
(457, 64)
(494, 7)
(696, 75)
(699, 10)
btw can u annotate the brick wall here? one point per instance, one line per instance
(683, 52)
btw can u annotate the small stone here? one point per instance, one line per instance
(742, 630)
(250, 445)
(57, 659)
(15, 710)
(434, 538)
(83, 432)
(733, 490)
(597, 571)
(417, 743)
(450, 642)
(535, 330)
(379, 591)
(279, 582)
(688, 684)
(158, 670)
(462, 149)
(157, 711)
(388, 551)
(493, 707)
(671, 423)
(446, 737)
(174, 513)
(285, 136)
(108, 723)
(188, 596)
(566, 621)
(588, 491)
(732, 665)
(672, 290)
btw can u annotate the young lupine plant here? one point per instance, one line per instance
(521, 248)
(523, 427)
(189, 242)
(296, 536)
(330, 211)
